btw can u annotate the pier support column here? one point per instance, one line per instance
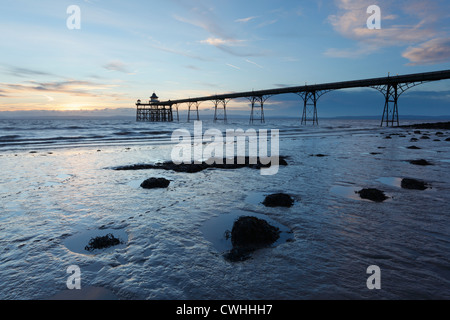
(257, 112)
(220, 110)
(178, 115)
(193, 105)
(310, 102)
(390, 114)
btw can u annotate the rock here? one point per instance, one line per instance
(388, 137)
(278, 200)
(319, 155)
(448, 139)
(250, 234)
(198, 167)
(414, 140)
(413, 148)
(420, 162)
(417, 132)
(154, 183)
(372, 194)
(413, 184)
(102, 242)
(439, 133)
(424, 137)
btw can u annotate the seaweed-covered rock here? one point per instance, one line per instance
(420, 162)
(154, 183)
(413, 184)
(102, 242)
(278, 200)
(372, 194)
(235, 163)
(250, 234)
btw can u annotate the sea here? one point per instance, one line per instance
(59, 189)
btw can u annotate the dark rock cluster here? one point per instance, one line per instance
(102, 242)
(197, 167)
(413, 184)
(278, 200)
(372, 194)
(248, 235)
(154, 183)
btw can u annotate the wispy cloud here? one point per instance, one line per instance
(267, 23)
(184, 53)
(117, 65)
(26, 72)
(254, 63)
(423, 22)
(70, 87)
(222, 42)
(245, 20)
(431, 52)
(233, 66)
(223, 39)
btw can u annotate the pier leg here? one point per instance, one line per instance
(219, 110)
(310, 100)
(190, 106)
(257, 112)
(390, 115)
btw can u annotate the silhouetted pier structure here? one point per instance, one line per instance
(392, 87)
(154, 111)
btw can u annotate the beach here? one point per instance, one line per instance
(59, 188)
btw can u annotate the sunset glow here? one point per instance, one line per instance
(179, 49)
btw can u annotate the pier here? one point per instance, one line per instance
(392, 87)
(154, 111)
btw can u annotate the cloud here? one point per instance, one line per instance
(221, 42)
(431, 52)
(229, 46)
(267, 23)
(204, 18)
(245, 20)
(118, 66)
(254, 63)
(184, 53)
(233, 66)
(208, 22)
(420, 22)
(70, 87)
(22, 72)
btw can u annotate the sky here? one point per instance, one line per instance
(126, 50)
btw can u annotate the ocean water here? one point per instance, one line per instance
(58, 189)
